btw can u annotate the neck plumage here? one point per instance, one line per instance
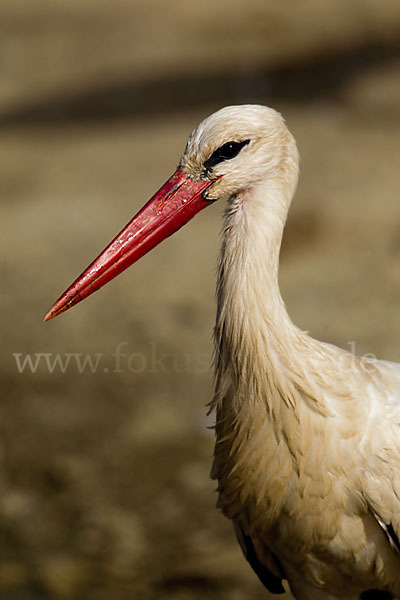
(255, 340)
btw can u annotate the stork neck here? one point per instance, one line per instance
(249, 260)
(253, 330)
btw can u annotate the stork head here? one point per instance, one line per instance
(238, 147)
(230, 151)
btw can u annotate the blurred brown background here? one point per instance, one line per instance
(104, 487)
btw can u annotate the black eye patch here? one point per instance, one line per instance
(225, 152)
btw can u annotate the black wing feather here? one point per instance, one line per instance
(268, 579)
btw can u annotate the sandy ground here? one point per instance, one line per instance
(104, 487)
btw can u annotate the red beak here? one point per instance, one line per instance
(175, 203)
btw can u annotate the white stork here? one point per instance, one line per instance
(307, 452)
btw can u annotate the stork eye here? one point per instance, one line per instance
(225, 152)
